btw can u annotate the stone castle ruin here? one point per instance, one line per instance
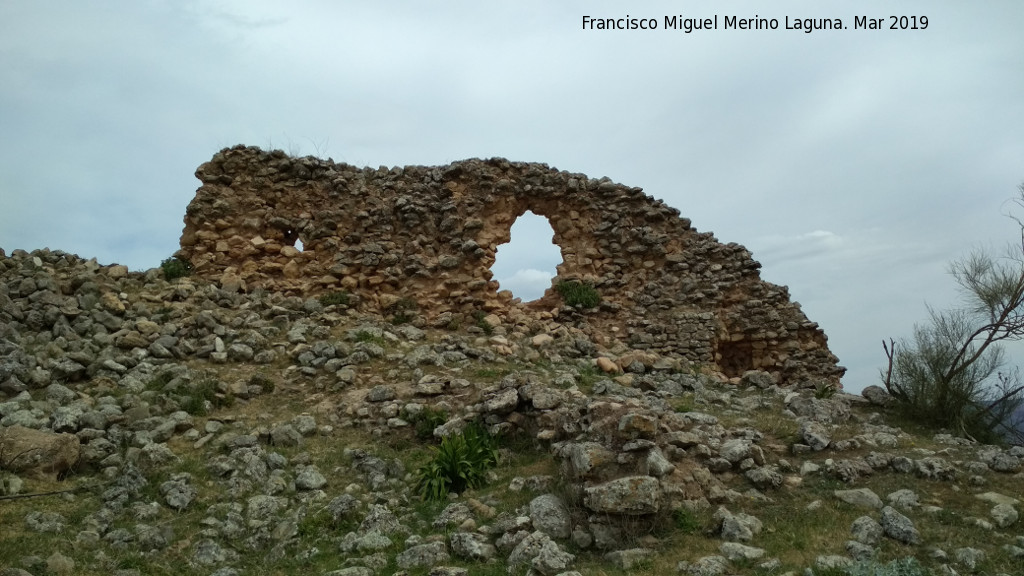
(427, 236)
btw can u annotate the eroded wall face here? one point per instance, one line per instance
(431, 233)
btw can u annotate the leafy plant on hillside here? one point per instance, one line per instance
(460, 462)
(575, 293)
(953, 373)
(175, 267)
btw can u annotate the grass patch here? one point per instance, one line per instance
(578, 294)
(203, 395)
(588, 375)
(480, 322)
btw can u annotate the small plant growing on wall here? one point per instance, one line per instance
(402, 311)
(175, 267)
(338, 297)
(482, 324)
(575, 293)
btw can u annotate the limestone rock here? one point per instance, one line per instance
(738, 527)
(814, 435)
(472, 546)
(428, 555)
(735, 551)
(1004, 515)
(899, 527)
(860, 497)
(632, 495)
(550, 515)
(867, 530)
(36, 452)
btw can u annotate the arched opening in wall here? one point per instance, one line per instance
(526, 264)
(737, 357)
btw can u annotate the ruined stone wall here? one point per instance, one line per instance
(430, 234)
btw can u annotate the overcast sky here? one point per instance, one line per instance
(854, 164)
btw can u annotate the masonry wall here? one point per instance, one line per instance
(430, 234)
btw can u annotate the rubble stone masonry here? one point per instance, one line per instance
(429, 234)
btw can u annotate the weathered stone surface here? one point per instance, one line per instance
(899, 527)
(706, 566)
(388, 235)
(501, 401)
(36, 452)
(1004, 515)
(45, 521)
(969, 557)
(735, 551)
(586, 457)
(1005, 462)
(866, 530)
(309, 478)
(429, 554)
(903, 498)
(630, 558)
(550, 515)
(814, 435)
(860, 497)
(178, 492)
(472, 546)
(758, 378)
(631, 495)
(876, 395)
(737, 527)
(551, 559)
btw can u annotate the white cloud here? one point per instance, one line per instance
(527, 284)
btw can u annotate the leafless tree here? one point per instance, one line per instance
(953, 373)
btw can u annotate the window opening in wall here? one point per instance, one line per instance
(291, 238)
(526, 264)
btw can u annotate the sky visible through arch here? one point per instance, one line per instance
(854, 164)
(526, 264)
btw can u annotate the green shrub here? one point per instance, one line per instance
(460, 462)
(481, 323)
(402, 311)
(825, 391)
(202, 392)
(425, 421)
(158, 382)
(263, 381)
(175, 267)
(576, 293)
(336, 298)
(685, 521)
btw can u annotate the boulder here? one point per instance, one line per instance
(37, 452)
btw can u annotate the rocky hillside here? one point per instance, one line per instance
(155, 427)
